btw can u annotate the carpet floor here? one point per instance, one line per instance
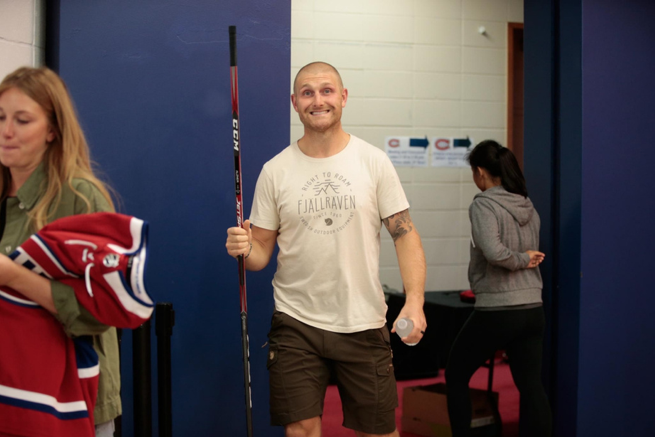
(508, 402)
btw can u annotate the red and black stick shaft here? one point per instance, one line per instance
(236, 137)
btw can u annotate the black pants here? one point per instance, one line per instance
(520, 333)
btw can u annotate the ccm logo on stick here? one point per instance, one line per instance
(235, 134)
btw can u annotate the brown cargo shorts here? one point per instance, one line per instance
(301, 360)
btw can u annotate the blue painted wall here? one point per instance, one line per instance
(589, 123)
(617, 334)
(151, 83)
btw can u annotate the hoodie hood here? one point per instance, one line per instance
(519, 207)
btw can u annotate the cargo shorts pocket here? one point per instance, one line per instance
(387, 391)
(385, 369)
(272, 356)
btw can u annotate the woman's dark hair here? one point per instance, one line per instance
(500, 162)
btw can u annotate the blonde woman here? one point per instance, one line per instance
(46, 175)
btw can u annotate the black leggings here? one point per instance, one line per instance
(520, 333)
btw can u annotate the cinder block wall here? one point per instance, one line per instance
(22, 39)
(416, 68)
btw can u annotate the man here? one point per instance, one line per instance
(323, 201)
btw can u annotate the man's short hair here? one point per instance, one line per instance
(318, 66)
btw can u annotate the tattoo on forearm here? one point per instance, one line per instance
(401, 224)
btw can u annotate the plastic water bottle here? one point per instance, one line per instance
(404, 327)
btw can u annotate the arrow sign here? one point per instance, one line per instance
(407, 151)
(419, 142)
(462, 142)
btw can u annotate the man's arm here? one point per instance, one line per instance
(262, 240)
(411, 260)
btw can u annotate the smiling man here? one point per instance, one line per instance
(323, 200)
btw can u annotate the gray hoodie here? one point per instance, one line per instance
(503, 227)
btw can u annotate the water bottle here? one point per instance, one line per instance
(404, 327)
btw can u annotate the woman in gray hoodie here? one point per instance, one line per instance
(505, 278)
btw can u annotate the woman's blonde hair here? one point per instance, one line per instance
(67, 156)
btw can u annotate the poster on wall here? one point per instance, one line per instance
(408, 151)
(450, 152)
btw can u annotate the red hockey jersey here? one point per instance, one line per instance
(48, 382)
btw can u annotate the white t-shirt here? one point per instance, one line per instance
(329, 212)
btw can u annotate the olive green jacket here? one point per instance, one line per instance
(74, 318)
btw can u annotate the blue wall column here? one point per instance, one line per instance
(151, 82)
(589, 127)
(617, 334)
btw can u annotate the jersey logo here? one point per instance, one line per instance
(111, 260)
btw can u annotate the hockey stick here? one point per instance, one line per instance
(236, 137)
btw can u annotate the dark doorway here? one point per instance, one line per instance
(515, 90)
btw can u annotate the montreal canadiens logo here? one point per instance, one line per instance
(111, 260)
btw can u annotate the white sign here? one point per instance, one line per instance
(408, 151)
(450, 152)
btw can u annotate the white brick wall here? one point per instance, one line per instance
(416, 67)
(22, 39)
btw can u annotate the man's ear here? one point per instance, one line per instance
(293, 102)
(344, 96)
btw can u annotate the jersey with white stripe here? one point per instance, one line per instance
(48, 382)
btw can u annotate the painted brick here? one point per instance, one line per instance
(387, 28)
(302, 24)
(438, 224)
(446, 278)
(465, 224)
(378, 112)
(406, 173)
(437, 59)
(390, 84)
(302, 5)
(484, 87)
(438, 8)
(353, 81)
(436, 197)
(340, 54)
(442, 251)
(491, 10)
(437, 86)
(301, 55)
(428, 30)
(479, 114)
(465, 251)
(297, 131)
(515, 11)
(435, 113)
(17, 21)
(484, 61)
(435, 175)
(379, 7)
(396, 57)
(332, 26)
(14, 55)
(390, 276)
(478, 135)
